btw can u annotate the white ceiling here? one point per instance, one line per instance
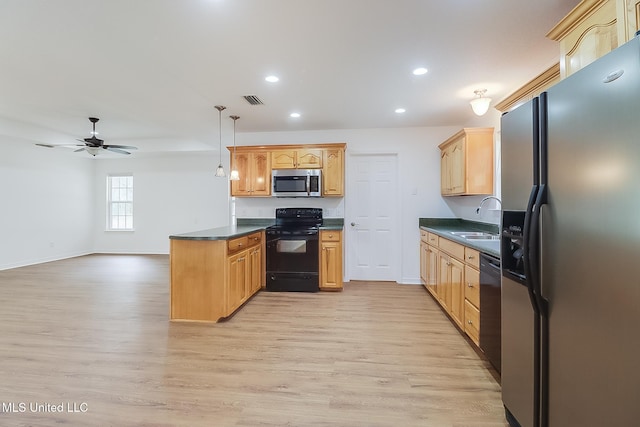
(152, 70)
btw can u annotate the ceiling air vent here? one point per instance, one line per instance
(253, 100)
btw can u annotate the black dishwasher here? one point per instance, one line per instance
(490, 316)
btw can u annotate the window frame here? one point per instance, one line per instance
(111, 201)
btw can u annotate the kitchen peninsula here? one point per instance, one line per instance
(215, 271)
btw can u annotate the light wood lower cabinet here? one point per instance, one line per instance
(331, 260)
(429, 255)
(450, 272)
(211, 279)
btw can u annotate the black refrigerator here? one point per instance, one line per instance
(571, 249)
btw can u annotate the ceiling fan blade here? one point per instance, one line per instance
(115, 150)
(128, 147)
(80, 149)
(45, 145)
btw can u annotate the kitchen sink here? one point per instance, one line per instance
(487, 237)
(476, 235)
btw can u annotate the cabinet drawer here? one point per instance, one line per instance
(472, 322)
(452, 248)
(433, 239)
(254, 239)
(424, 236)
(472, 285)
(330, 236)
(237, 244)
(472, 257)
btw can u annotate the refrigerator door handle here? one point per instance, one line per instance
(526, 236)
(533, 249)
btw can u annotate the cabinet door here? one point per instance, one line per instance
(255, 270)
(424, 253)
(333, 172)
(432, 270)
(444, 283)
(331, 260)
(309, 159)
(237, 265)
(260, 174)
(283, 159)
(241, 162)
(457, 167)
(445, 174)
(456, 277)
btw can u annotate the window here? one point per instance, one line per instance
(120, 202)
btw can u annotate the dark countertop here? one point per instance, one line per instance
(444, 226)
(219, 233)
(246, 226)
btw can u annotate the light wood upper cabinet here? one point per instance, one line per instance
(254, 169)
(588, 32)
(296, 159)
(592, 29)
(254, 165)
(629, 14)
(333, 171)
(466, 163)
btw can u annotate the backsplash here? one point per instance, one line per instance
(265, 207)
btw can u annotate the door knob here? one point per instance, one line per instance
(353, 224)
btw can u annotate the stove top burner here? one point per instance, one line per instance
(298, 217)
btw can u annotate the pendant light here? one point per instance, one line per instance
(220, 170)
(234, 175)
(480, 104)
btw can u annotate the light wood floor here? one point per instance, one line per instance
(92, 333)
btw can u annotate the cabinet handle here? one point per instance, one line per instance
(241, 259)
(469, 285)
(470, 257)
(470, 322)
(331, 236)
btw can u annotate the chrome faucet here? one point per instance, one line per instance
(484, 200)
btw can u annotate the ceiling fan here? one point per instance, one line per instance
(94, 144)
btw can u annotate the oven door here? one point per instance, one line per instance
(292, 252)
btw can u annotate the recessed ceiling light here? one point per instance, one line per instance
(294, 115)
(400, 110)
(420, 71)
(272, 79)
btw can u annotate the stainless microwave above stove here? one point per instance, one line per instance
(297, 182)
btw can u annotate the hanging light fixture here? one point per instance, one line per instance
(220, 170)
(480, 104)
(234, 175)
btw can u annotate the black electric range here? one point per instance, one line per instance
(292, 250)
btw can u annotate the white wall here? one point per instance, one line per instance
(46, 204)
(174, 193)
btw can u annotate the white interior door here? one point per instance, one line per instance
(371, 217)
